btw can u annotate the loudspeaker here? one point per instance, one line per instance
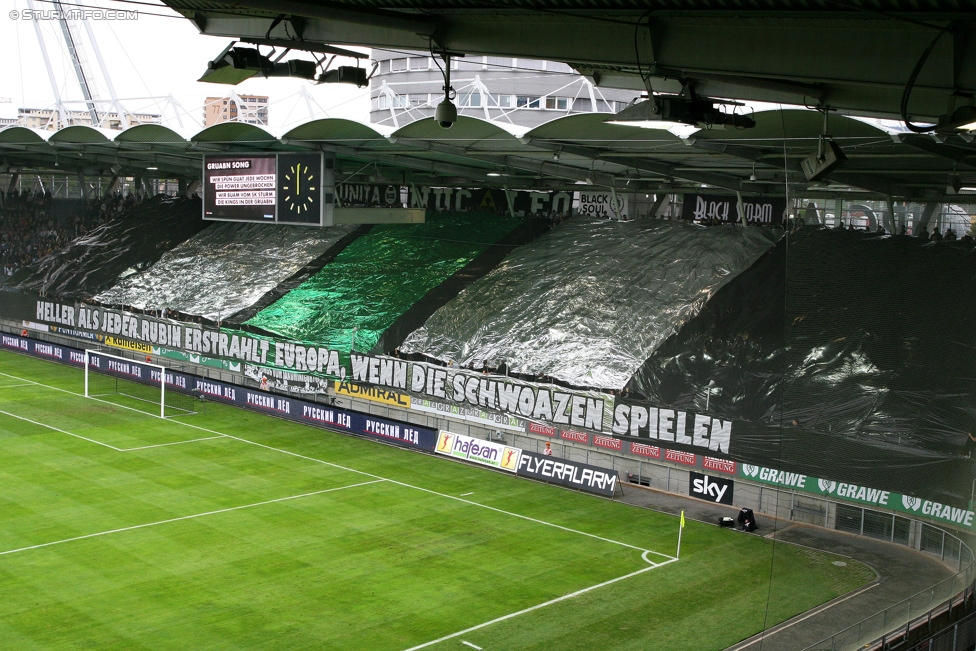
(815, 167)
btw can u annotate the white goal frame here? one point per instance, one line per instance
(125, 360)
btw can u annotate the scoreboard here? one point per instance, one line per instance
(274, 188)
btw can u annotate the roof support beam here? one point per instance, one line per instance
(948, 152)
(549, 168)
(665, 170)
(881, 186)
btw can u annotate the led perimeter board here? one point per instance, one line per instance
(273, 188)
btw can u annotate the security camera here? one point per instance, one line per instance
(446, 114)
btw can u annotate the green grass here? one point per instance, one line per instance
(343, 564)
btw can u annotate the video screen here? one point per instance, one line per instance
(240, 188)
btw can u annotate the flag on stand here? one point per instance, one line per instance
(682, 519)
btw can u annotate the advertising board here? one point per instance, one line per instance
(712, 489)
(571, 474)
(485, 453)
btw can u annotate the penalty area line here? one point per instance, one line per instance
(185, 517)
(540, 606)
(52, 427)
(368, 474)
(162, 445)
(106, 445)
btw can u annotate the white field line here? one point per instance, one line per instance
(11, 386)
(473, 646)
(162, 445)
(90, 440)
(56, 429)
(367, 474)
(185, 517)
(539, 606)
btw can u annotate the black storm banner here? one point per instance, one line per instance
(767, 211)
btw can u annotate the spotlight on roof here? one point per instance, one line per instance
(344, 75)
(963, 119)
(235, 64)
(666, 111)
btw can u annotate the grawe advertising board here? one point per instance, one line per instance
(571, 474)
(865, 495)
(273, 188)
(485, 453)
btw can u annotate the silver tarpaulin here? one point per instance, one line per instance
(587, 303)
(224, 269)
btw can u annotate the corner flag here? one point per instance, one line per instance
(681, 528)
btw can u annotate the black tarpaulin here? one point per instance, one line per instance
(94, 262)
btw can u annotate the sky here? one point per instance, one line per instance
(154, 56)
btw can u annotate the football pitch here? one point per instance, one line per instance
(233, 530)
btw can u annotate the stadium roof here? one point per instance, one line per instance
(569, 152)
(852, 55)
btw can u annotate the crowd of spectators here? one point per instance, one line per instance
(919, 232)
(34, 224)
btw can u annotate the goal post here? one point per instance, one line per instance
(141, 385)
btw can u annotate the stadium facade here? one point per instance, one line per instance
(407, 86)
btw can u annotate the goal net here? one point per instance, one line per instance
(138, 385)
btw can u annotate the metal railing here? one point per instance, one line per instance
(908, 613)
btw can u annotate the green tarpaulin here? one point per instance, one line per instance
(378, 277)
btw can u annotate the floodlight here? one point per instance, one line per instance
(235, 64)
(962, 119)
(345, 75)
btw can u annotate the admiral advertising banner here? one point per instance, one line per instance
(767, 211)
(373, 394)
(571, 474)
(485, 453)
